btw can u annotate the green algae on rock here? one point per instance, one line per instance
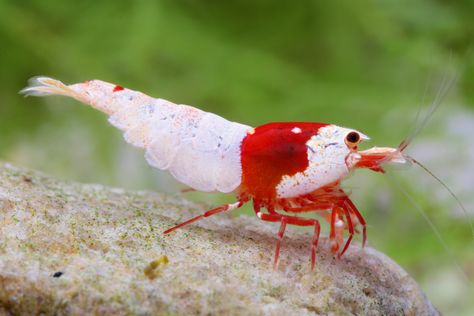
(102, 240)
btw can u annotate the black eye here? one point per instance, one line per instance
(352, 137)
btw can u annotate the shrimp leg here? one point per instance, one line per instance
(347, 204)
(293, 220)
(353, 209)
(219, 209)
(351, 231)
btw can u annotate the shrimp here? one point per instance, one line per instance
(283, 168)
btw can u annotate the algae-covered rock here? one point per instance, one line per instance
(69, 248)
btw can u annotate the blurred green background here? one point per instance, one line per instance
(368, 65)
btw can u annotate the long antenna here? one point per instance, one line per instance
(432, 226)
(414, 125)
(466, 213)
(445, 87)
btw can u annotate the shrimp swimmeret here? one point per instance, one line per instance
(293, 167)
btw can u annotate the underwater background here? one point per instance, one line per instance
(368, 65)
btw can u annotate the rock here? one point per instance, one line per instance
(69, 248)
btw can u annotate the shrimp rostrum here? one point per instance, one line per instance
(283, 169)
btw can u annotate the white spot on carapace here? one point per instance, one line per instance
(296, 130)
(339, 223)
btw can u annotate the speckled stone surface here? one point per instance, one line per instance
(69, 248)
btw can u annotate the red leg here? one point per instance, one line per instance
(350, 205)
(222, 208)
(281, 232)
(314, 245)
(310, 207)
(332, 233)
(293, 220)
(351, 231)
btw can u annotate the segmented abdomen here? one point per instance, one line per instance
(200, 149)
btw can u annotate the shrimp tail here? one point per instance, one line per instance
(95, 93)
(45, 86)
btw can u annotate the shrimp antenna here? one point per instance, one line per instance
(432, 225)
(442, 92)
(413, 128)
(466, 214)
(445, 86)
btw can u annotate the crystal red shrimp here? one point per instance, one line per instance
(285, 169)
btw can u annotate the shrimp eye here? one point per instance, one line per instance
(352, 138)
